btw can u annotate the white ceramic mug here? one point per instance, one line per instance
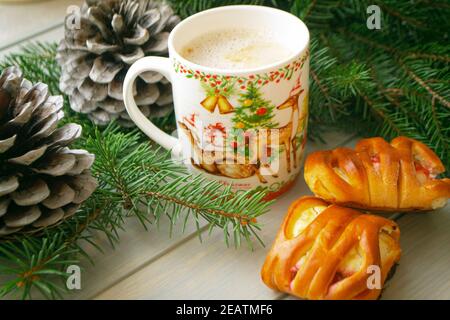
(206, 100)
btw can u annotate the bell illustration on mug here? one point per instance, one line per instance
(210, 103)
(241, 102)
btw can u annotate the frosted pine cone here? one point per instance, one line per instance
(42, 181)
(95, 58)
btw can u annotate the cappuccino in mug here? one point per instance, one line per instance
(236, 49)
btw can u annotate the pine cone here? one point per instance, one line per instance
(42, 181)
(95, 58)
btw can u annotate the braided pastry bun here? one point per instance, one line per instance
(400, 176)
(325, 251)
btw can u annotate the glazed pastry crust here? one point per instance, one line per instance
(327, 255)
(400, 176)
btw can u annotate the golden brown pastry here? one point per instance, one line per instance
(326, 251)
(400, 176)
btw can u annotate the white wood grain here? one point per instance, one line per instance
(137, 248)
(54, 35)
(208, 270)
(424, 270)
(152, 265)
(19, 22)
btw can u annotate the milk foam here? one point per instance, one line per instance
(236, 49)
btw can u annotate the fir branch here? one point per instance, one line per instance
(444, 139)
(31, 262)
(436, 57)
(309, 9)
(136, 179)
(153, 180)
(395, 13)
(322, 88)
(423, 84)
(133, 175)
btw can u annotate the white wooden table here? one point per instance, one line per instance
(150, 265)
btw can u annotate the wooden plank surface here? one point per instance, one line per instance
(207, 270)
(152, 265)
(137, 247)
(54, 35)
(20, 22)
(424, 270)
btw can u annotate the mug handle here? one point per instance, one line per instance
(163, 66)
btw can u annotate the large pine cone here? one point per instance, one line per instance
(95, 57)
(42, 181)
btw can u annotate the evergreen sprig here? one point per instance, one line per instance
(136, 180)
